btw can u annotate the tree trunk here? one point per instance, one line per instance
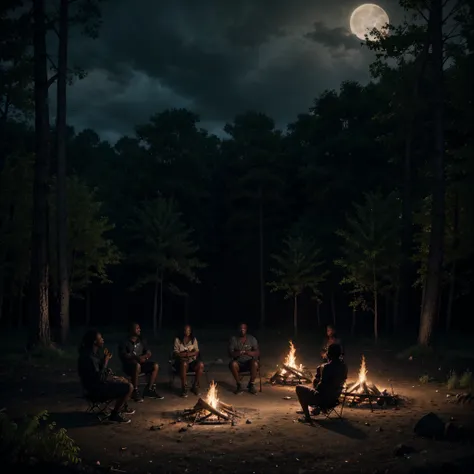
(295, 317)
(2, 294)
(333, 308)
(376, 316)
(353, 324)
(396, 308)
(155, 303)
(452, 279)
(262, 276)
(40, 331)
(61, 193)
(160, 319)
(435, 256)
(88, 306)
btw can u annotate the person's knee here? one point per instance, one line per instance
(155, 366)
(233, 365)
(130, 389)
(184, 365)
(300, 389)
(254, 364)
(200, 366)
(138, 368)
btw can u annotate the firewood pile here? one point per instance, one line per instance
(291, 373)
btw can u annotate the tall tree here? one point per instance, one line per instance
(370, 252)
(40, 333)
(297, 269)
(163, 247)
(61, 193)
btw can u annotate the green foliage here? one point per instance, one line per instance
(34, 439)
(371, 249)
(424, 379)
(91, 252)
(466, 381)
(297, 267)
(162, 243)
(453, 380)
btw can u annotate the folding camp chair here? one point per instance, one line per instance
(332, 410)
(247, 373)
(173, 373)
(97, 406)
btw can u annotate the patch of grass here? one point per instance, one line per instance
(35, 440)
(453, 381)
(416, 352)
(424, 379)
(465, 381)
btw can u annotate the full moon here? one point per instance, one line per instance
(367, 17)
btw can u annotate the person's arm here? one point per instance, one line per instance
(233, 350)
(195, 351)
(97, 369)
(125, 355)
(146, 353)
(255, 351)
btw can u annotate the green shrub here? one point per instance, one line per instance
(424, 379)
(453, 380)
(466, 380)
(33, 439)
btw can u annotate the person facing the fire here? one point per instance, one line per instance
(245, 354)
(327, 389)
(187, 358)
(330, 338)
(136, 359)
(98, 380)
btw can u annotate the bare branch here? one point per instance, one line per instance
(52, 80)
(453, 10)
(53, 65)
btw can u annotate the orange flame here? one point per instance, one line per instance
(363, 371)
(212, 395)
(290, 359)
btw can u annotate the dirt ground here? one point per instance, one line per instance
(272, 440)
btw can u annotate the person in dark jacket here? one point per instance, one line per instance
(327, 387)
(97, 379)
(136, 359)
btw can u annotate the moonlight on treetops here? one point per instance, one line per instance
(365, 18)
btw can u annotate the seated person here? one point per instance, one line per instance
(331, 338)
(98, 381)
(244, 351)
(327, 389)
(187, 358)
(136, 358)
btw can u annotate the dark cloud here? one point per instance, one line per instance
(217, 57)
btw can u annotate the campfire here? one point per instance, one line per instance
(291, 373)
(211, 411)
(362, 390)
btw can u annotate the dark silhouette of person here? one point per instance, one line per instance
(97, 379)
(327, 387)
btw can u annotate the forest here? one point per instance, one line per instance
(360, 213)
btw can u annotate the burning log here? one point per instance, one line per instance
(211, 410)
(362, 390)
(291, 373)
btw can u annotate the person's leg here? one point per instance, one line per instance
(253, 369)
(151, 368)
(183, 370)
(197, 367)
(133, 369)
(121, 393)
(235, 369)
(306, 396)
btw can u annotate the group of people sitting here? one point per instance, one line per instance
(100, 383)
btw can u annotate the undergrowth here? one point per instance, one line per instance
(35, 440)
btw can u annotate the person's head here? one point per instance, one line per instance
(330, 331)
(242, 329)
(334, 352)
(188, 332)
(91, 339)
(134, 330)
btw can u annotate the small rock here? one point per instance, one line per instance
(155, 428)
(248, 422)
(182, 430)
(379, 430)
(403, 450)
(367, 424)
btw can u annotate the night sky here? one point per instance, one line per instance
(215, 57)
